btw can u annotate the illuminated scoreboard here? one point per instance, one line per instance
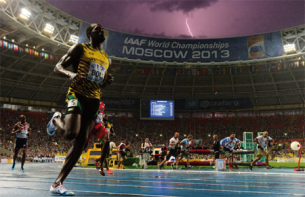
(161, 109)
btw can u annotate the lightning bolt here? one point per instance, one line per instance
(188, 27)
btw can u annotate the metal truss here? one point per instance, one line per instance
(295, 36)
(65, 26)
(276, 90)
(41, 14)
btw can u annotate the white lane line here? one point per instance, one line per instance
(302, 173)
(121, 194)
(159, 182)
(202, 180)
(174, 188)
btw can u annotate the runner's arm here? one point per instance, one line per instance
(29, 131)
(182, 144)
(172, 143)
(15, 129)
(108, 79)
(269, 143)
(255, 140)
(72, 57)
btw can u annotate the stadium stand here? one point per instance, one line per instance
(283, 129)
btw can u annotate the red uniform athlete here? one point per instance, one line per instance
(100, 132)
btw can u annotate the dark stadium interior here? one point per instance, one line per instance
(211, 96)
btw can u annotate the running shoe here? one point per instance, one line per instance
(96, 162)
(269, 167)
(61, 190)
(189, 167)
(159, 166)
(172, 165)
(51, 128)
(236, 167)
(13, 167)
(178, 168)
(22, 170)
(102, 172)
(251, 167)
(98, 168)
(231, 169)
(109, 171)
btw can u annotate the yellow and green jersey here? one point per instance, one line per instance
(93, 65)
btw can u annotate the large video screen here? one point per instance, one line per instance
(157, 109)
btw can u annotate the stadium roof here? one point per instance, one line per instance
(28, 77)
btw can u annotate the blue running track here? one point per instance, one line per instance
(37, 179)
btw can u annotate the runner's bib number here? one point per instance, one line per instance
(96, 73)
(72, 103)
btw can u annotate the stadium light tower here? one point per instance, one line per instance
(73, 39)
(49, 28)
(25, 14)
(288, 48)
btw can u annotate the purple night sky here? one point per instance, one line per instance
(206, 18)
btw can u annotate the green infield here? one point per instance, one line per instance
(287, 164)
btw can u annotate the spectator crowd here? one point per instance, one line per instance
(283, 129)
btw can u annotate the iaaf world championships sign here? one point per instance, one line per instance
(189, 50)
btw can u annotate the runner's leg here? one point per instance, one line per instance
(70, 127)
(105, 148)
(15, 156)
(23, 157)
(74, 153)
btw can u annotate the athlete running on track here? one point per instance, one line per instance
(21, 129)
(89, 76)
(102, 133)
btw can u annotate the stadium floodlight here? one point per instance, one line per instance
(137, 135)
(3, 1)
(25, 14)
(289, 48)
(4, 37)
(73, 39)
(161, 135)
(49, 28)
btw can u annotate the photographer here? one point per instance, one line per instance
(146, 150)
(216, 146)
(185, 151)
(263, 143)
(172, 151)
(122, 152)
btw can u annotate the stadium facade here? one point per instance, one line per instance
(252, 73)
